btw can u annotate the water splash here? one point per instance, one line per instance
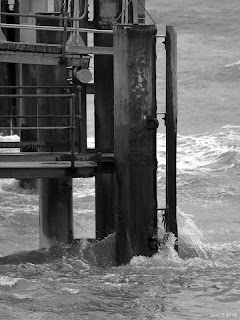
(190, 237)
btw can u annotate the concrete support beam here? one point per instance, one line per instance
(55, 206)
(135, 127)
(105, 13)
(55, 195)
(27, 76)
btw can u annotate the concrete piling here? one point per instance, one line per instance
(27, 77)
(55, 195)
(135, 127)
(105, 14)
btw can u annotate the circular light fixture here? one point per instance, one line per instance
(82, 75)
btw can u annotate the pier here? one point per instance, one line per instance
(48, 52)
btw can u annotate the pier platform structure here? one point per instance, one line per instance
(52, 82)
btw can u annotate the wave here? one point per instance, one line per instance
(102, 253)
(208, 166)
(228, 73)
(204, 153)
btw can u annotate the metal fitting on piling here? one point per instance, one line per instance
(152, 123)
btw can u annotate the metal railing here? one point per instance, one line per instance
(64, 18)
(52, 28)
(71, 116)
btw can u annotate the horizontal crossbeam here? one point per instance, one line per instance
(89, 50)
(53, 48)
(36, 58)
(47, 169)
(54, 156)
(36, 128)
(52, 28)
(50, 143)
(42, 54)
(50, 165)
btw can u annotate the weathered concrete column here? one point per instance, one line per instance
(105, 13)
(135, 140)
(55, 211)
(28, 107)
(27, 77)
(55, 195)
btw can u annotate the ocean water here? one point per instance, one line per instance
(203, 282)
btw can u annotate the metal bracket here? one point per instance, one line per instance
(70, 74)
(152, 123)
(163, 215)
(153, 243)
(99, 161)
(164, 117)
(65, 157)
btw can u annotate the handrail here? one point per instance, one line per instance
(7, 116)
(36, 128)
(37, 87)
(45, 16)
(38, 95)
(71, 116)
(63, 28)
(30, 15)
(51, 28)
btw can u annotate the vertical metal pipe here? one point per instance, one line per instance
(171, 131)
(81, 125)
(72, 102)
(64, 38)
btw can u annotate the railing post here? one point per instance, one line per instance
(171, 131)
(64, 37)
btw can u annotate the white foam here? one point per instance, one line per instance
(91, 142)
(71, 290)
(202, 153)
(13, 138)
(190, 236)
(232, 64)
(8, 281)
(8, 184)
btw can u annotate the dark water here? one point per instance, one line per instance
(82, 282)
